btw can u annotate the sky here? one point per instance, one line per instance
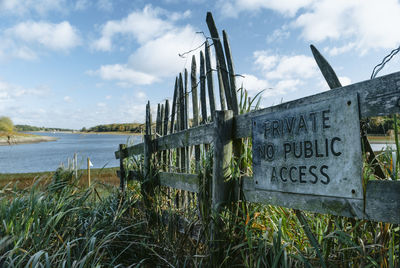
(81, 63)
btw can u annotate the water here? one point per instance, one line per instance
(47, 156)
(383, 146)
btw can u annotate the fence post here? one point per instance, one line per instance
(122, 173)
(223, 123)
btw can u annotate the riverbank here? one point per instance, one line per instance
(21, 138)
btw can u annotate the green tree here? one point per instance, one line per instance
(6, 125)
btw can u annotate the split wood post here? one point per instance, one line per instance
(172, 126)
(195, 103)
(182, 124)
(162, 114)
(223, 126)
(237, 143)
(203, 99)
(219, 53)
(333, 82)
(210, 83)
(221, 89)
(165, 129)
(187, 151)
(158, 131)
(232, 77)
(122, 172)
(147, 188)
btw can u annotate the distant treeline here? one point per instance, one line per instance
(33, 128)
(132, 127)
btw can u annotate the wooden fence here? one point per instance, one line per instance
(177, 143)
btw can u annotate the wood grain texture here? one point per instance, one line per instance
(203, 99)
(173, 109)
(232, 78)
(202, 134)
(222, 157)
(210, 82)
(219, 53)
(326, 69)
(130, 151)
(382, 201)
(377, 97)
(195, 104)
(221, 89)
(333, 82)
(181, 181)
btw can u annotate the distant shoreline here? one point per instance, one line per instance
(24, 139)
(97, 133)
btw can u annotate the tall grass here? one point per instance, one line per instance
(61, 224)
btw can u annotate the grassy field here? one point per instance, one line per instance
(24, 180)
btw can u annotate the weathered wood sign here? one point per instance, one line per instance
(311, 149)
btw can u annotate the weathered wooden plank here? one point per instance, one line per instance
(186, 123)
(382, 201)
(232, 78)
(210, 83)
(333, 82)
(130, 151)
(165, 132)
(203, 100)
(173, 110)
(219, 53)
(221, 89)
(186, 100)
(148, 119)
(181, 181)
(195, 104)
(223, 125)
(147, 143)
(193, 136)
(222, 157)
(182, 109)
(158, 121)
(326, 69)
(377, 97)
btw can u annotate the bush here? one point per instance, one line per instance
(6, 124)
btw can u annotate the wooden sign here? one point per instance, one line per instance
(314, 149)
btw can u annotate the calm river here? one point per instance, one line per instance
(47, 156)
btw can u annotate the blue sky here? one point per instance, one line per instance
(81, 63)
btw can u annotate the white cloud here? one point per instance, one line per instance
(101, 104)
(159, 42)
(143, 25)
(251, 83)
(67, 99)
(281, 74)
(160, 55)
(11, 92)
(41, 7)
(123, 73)
(364, 24)
(105, 5)
(285, 67)
(232, 8)
(278, 35)
(344, 80)
(82, 4)
(61, 36)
